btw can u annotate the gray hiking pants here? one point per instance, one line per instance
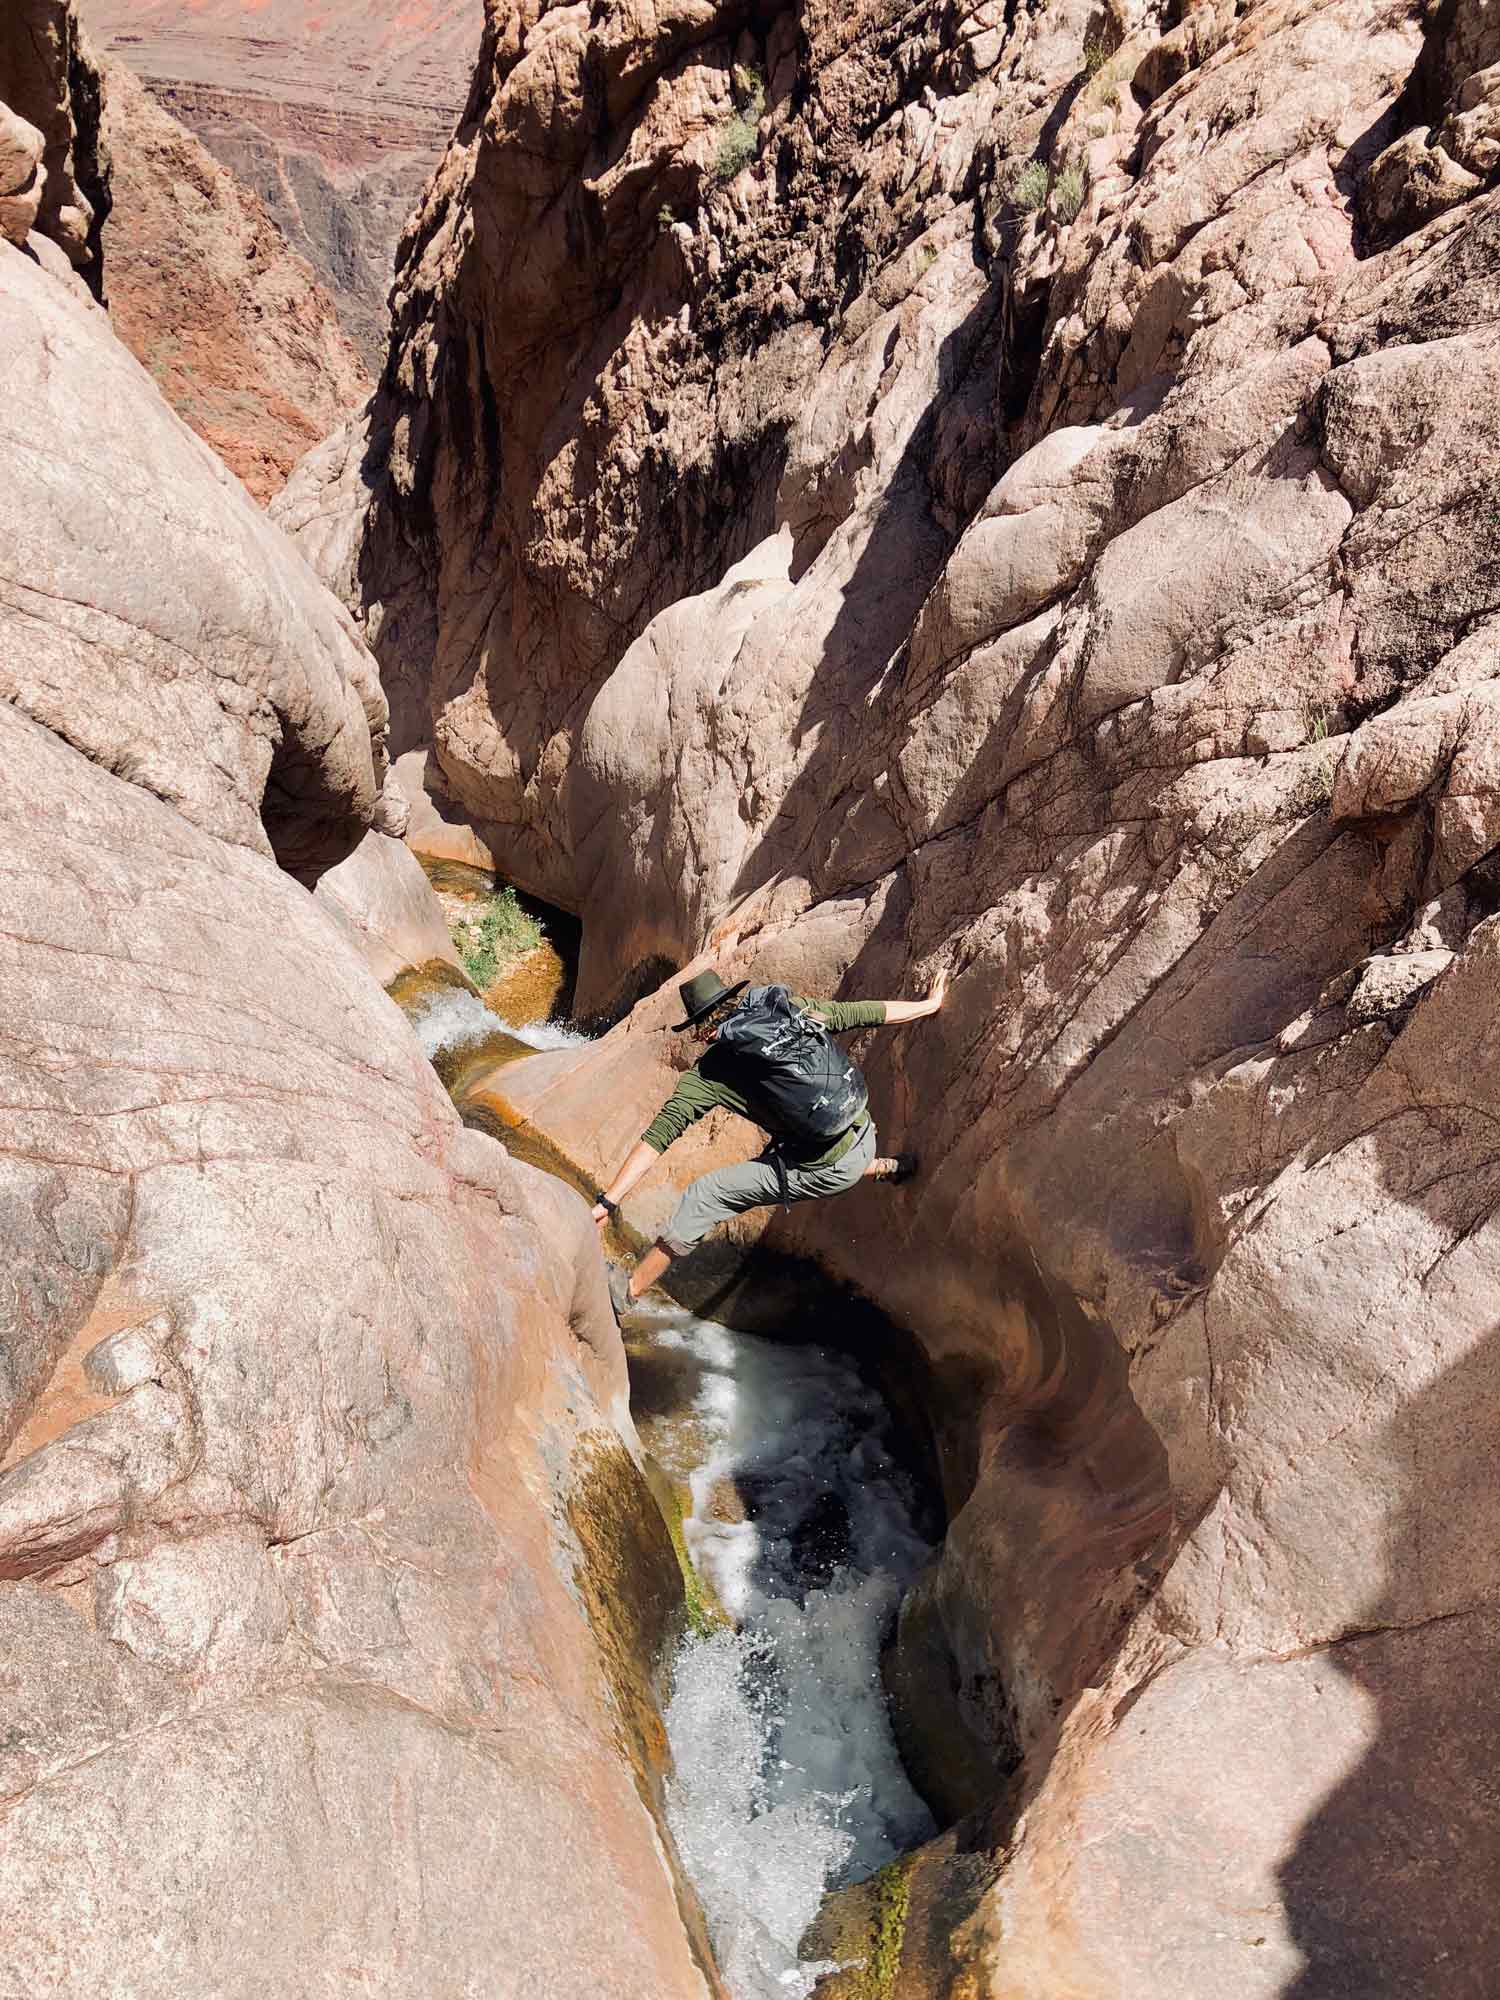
(731, 1190)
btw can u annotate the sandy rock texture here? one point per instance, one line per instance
(54, 164)
(239, 334)
(318, 1508)
(334, 114)
(866, 491)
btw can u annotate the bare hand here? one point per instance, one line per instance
(937, 993)
(600, 1214)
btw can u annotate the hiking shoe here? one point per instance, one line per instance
(619, 1289)
(895, 1168)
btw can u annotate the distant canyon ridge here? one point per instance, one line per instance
(335, 113)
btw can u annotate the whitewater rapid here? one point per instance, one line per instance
(787, 1779)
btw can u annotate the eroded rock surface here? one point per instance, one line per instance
(335, 115)
(152, 617)
(54, 165)
(312, 1406)
(238, 333)
(859, 492)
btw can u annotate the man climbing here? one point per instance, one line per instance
(770, 1057)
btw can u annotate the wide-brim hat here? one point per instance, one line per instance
(702, 995)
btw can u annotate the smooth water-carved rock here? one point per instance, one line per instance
(300, 1381)
(1085, 582)
(152, 619)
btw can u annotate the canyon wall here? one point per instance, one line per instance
(334, 115)
(329, 1583)
(241, 338)
(860, 490)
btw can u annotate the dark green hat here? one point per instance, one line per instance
(702, 995)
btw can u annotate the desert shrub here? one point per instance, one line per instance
(1067, 193)
(739, 136)
(499, 932)
(1028, 189)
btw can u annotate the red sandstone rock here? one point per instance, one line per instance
(203, 289)
(1091, 588)
(333, 114)
(316, 1468)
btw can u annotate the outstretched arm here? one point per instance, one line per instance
(638, 1161)
(897, 1011)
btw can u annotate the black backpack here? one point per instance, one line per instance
(786, 1061)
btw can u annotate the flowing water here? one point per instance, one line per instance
(805, 1527)
(788, 1782)
(453, 1019)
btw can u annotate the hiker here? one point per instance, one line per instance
(769, 1056)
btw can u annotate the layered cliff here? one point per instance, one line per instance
(334, 115)
(861, 490)
(239, 334)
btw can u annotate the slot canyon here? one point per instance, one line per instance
(833, 496)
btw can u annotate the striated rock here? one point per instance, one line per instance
(310, 1400)
(839, 556)
(334, 115)
(240, 336)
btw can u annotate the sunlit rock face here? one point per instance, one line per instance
(204, 290)
(314, 1446)
(335, 112)
(54, 167)
(1028, 508)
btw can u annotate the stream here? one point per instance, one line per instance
(805, 1529)
(787, 1779)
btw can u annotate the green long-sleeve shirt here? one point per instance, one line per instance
(700, 1090)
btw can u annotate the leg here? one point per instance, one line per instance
(708, 1201)
(650, 1268)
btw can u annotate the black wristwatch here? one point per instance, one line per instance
(609, 1207)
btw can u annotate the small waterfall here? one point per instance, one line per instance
(453, 1019)
(787, 1780)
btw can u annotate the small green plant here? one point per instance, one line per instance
(1312, 786)
(739, 136)
(501, 932)
(664, 217)
(1096, 53)
(1028, 189)
(1067, 193)
(1317, 727)
(892, 1896)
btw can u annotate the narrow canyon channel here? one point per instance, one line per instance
(803, 1525)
